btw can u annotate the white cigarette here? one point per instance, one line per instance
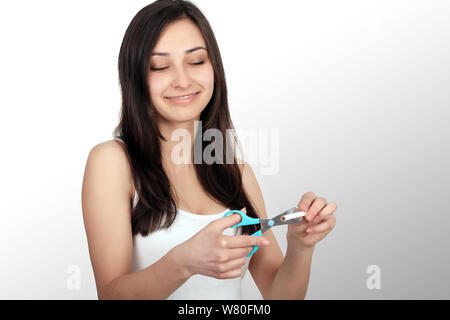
(293, 215)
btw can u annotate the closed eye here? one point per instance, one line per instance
(194, 63)
(157, 69)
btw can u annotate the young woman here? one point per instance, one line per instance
(155, 226)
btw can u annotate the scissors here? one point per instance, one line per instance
(283, 218)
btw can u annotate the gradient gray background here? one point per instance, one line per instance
(358, 89)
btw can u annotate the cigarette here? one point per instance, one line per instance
(293, 215)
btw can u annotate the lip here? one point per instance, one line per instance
(188, 94)
(184, 101)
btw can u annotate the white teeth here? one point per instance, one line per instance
(182, 98)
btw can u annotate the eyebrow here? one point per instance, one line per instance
(186, 52)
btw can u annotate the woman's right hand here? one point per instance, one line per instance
(213, 254)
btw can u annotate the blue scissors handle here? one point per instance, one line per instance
(265, 224)
(246, 221)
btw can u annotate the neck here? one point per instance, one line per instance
(172, 157)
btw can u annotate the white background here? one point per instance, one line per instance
(358, 89)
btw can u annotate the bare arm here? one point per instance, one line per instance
(292, 279)
(106, 194)
(157, 281)
(276, 277)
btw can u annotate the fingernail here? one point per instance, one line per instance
(308, 230)
(265, 242)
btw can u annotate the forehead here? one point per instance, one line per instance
(179, 36)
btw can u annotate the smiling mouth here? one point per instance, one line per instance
(183, 97)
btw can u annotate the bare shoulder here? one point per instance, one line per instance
(252, 188)
(112, 150)
(248, 176)
(112, 156)
(244, 167)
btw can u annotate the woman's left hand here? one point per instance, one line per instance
(318, 222)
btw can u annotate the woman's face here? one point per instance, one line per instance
(185, 69)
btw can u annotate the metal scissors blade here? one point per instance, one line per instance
(266, 224)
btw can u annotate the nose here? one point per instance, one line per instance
(181, 78)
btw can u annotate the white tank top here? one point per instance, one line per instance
(149, 249)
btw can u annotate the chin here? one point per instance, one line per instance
(184, 113)
(181, 116)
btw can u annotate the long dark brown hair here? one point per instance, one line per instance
(138, 128)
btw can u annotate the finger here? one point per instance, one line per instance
(327, 225)
(237, 253)
(329, 209)
(306, 201)
(228, 221)
(244, 241)
(232, 265)
(230, 274)
(301, 226)
(317, 205)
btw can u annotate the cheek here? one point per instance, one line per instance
(156, 86)
(206, 78)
